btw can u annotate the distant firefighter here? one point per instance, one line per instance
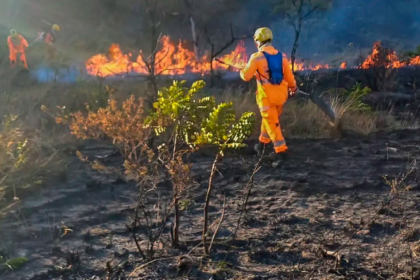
(49, 36)
(17, 45)
(275, 85)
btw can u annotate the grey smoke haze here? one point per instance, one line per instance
(361, 22)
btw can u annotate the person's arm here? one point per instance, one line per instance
(39, 38)
(10, 43)
(288, 74)
(249, 71)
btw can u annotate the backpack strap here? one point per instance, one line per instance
(261, 75)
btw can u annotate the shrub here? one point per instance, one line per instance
(379, 68)
(24, 158)
(182, 124)
(192, 124)
(303, 119)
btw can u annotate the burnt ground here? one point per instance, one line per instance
(330, 195)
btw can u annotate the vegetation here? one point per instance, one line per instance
(189, 124)
(297, 12)
(172, 140)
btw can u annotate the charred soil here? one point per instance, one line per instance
(328, 212)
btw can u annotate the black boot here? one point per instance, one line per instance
(279, 158)
(259, 148)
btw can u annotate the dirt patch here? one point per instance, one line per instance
(320, 200)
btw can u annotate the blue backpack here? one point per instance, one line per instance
(275, 67)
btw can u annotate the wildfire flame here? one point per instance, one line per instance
(387, 58)
(175, 59)
(171, 59)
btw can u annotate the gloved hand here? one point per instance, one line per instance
(293, 91)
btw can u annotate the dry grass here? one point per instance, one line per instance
(23, 121)
(303, 119)
(30, 150)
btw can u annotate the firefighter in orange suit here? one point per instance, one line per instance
(274, 87)
(17, 45)
(49, 36)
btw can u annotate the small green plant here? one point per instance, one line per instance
(174, 119)
(12, 264)
(356, 96)
(351, 101)
(181, 123)
(184, 204)
(192, 124)
(221, 129)
(223, 266)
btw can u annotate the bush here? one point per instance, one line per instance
(379, 69)
(193, 124)
(304, 119)
(182, 124)
(25, 159)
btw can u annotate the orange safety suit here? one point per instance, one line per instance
(17, 45)
(49, 38)
(270, 98)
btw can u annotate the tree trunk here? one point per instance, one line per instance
(175, 240)
(296, 43)
(194, 38)
(211, 67)
(295, 46)
(153, 47)
(206, 205)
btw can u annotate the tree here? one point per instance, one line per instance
(214, 53)
(192, 123)
(222, 130)
(297, 13)
(175, 113)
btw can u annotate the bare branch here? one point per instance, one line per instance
(310, 12)
(292, 21)
(157, 44)
(219, 224)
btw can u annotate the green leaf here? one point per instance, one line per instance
(17, 262)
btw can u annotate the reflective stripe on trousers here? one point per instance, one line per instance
(265, 135)
(279, 143)
(264, 108)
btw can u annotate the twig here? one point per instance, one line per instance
(153, 261)
(149, 263)
(133, 231)
(392, 198)
(249, 186)
(201, 242)
(220, 222)
(8, 207)
(411, 261)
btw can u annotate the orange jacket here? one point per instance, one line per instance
(257, 66)
(17, 44)
(47, 37)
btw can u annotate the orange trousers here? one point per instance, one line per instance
(270, 127)
(51, 52)
(12, 55)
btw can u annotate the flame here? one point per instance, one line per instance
(175, 59)
(381, 57)
(415, 60)
(171, 59)
(388, 58)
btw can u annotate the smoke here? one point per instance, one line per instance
(360, 22)
(94, 25)
(48, 75)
